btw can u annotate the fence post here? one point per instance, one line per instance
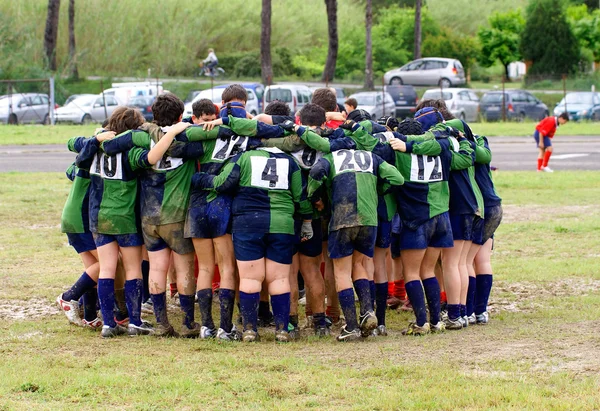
(52, 99)
(156, 86)
(503, 100)
(564, 79)
(383, 94)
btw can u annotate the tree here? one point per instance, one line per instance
(72, 50)
(51, 33)
(332, 52)
(586, 28)
(501, 40)
(369, 48)
(548, 41)
(417, 54)
(265, 43)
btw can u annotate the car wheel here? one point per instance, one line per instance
(521, 117)
(13, 119)
(444, 83)
(396, 81)
(86, 119)
(595, 116)
(46, 120)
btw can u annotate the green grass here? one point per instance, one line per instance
(543, 354)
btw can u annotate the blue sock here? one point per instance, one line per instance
(319, 320)
(249, 309)
(133, 299)
(205, 303)
(90, 301)
(414, 290)
(381, 292)
(372, 292)
(363, 290)
(453, 311)
(346, 298)
(145, 277)
(106, 295)
(471, 296)
(463, 310)
(187, 307)
(432, 292)
(159, 304)
(83, 284)
(281, 310)
(226, 304)
(484, 287)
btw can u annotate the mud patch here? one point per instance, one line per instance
(29, 310)
(530, 213)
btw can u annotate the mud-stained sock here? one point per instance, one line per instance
(414, 290)
(145, 277)
(484, 287)
(348, 307)
(319, 320)
(470, 307)
(226, 304)
(249, 309)
(372, 291)
(159, 304)
(363, 290)
(120, 304)
(453, 311)
(381, 291)
(432, 292)
(90, 302)
(133, 299)
(281, 311)
(106, 295)
(82, 284)
(187, 307)
(205, 303)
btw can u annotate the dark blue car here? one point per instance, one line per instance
(144, 104)
(580, 105)
(518, 105)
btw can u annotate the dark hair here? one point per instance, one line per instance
(409, 127)
(351, 102)
(167, 109)
(203, 106)
(325, 98)
(235, 92)
(312, 115)
(125, 118)
(564, 115)
(277, 108)
(440, 105)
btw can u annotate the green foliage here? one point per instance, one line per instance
(501, 40)
(548, 41)
(452, 45)
(586, 28)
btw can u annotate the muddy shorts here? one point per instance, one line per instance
(159, 237)
(124, 240)
(493, 217)
(209, 220)
(435, 232)
(254, 246)
(462, 226)
(343, 242)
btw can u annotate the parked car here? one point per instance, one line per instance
(462, 103)
(87, 108)
(375, 102)
(71, 98)
(580, 105)
(144, 104)
(215, 95)
(126, 91)
(430, 71)
(21, 108)
(518, 104)
(295, 95)
(405, 98)
(191, 95)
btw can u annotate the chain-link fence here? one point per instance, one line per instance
(27, 101)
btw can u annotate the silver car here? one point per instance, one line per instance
(430, 71)
(376, 103)
(462, 102)
(87, 108)
(21, 108)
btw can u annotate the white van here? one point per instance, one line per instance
(295, 95)
(215, 95)
(125, 91)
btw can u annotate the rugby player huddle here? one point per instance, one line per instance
(387, 213)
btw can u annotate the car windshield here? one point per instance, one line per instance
(146, 101)
(492, 98)
(82, 101)
(436, 95)
(212, 94)
(578, 98)
(280, 94)
(365, 100)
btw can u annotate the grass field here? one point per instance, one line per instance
(540, 351)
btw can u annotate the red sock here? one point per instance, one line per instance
(196, 268)
(399, 290)
(173, 288)
(540, 161)
(390, 288)
(216, 284)
(443, 297)
(547, 155)
(333, 313)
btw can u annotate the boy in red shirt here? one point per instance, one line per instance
(543, 133)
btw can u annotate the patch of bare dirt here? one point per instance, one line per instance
(527, 213)
(31, 309)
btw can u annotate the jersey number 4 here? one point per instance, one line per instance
(271, 173)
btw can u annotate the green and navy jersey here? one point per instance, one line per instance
(426, 167)
(268, 190)
(113, 192)
(483, 173)
(75, 215)
(318, 145)
(351, 178)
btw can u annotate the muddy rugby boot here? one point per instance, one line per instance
(414, 329)
(234, 335)
(143, 329)
(440, 327)
(206, 332)
(482, 318)
(380, 331)
(250, 336)
(283, 336)
(349, 335)
(367, 323)
(70, 309)
(187, 332)
(94, 324)
(110, 332)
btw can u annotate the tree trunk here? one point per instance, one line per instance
(418, 29)
(506, 71)
(72, 49)
(329, 71)
(51, 33)
(369, 48)
(265, 43)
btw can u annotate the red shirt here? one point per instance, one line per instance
(547, 127)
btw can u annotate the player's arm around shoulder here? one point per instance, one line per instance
(483, 154)
(387, 172)
(127, 141)
(319, 174)
(463, 153)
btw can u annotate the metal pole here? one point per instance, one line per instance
(503, 100)
(383, 94)
(157, 86)
(52, 98)
(103, 100)
(564, 79)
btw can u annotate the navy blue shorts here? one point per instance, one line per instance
(82, 242)
(254, 246)
(209, 220)
(396, 224)
(345, 241)
(462, 226)
(395, 246)
(314, 246)
(547, 140)
(486, 230)
(124, 240)
(384, 234)
(435, 232)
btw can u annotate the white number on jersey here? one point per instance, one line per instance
(271, 173)
(384, 137)
(108, 167)
(425, 169)
(167, 162)
(307, 157)
(351, 160)
(229, 147)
